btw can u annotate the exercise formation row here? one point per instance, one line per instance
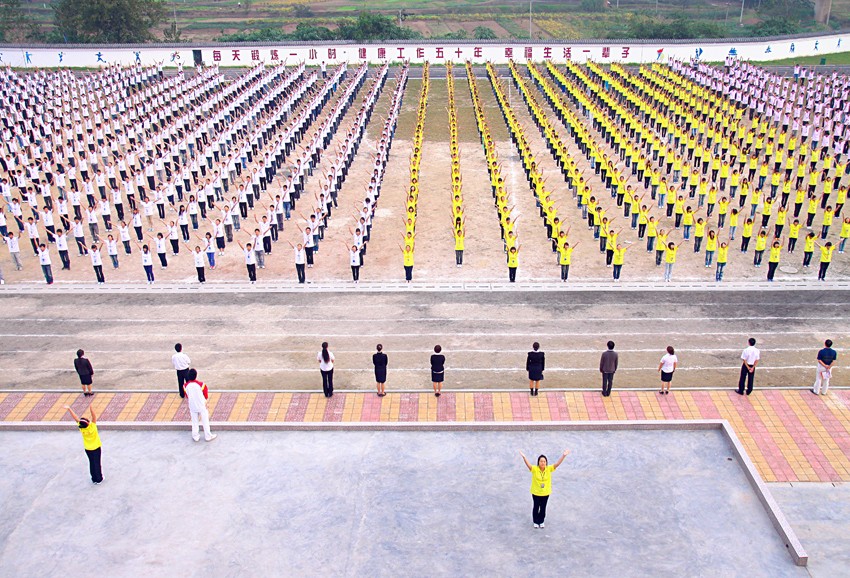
(736, 163)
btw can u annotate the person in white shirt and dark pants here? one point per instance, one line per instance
(326, 366)
(181, 363)
(750, 357)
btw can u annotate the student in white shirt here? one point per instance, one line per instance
(300, 261)
(97, 262)
(62, 247)
(668, 364)
(750, 357)
(198, 256)
(326, 367)
(13, 244)
(250, 261)
(44, 261)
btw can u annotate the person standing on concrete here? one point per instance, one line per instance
(541, 485)
(85, 371)
(750, 357)
(379, 360)
(535, 363)
(826, 361)
(91, 442)
(197, 395)
(326, 367)
(181, 364)
(607, 367)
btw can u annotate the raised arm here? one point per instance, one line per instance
(525, 459)
(561, 459)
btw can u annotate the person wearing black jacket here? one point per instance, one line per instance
(534, 365)
(379, 360)
(438, 368)
(85, 371)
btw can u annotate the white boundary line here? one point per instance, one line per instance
(544, 285)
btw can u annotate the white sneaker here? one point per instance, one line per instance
(197, 439)
(536, 525)
(542, 525)
(212, 437)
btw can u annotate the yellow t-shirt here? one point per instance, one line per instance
(619, 256)
(91, 439)
(408, 258)
(513, 260)
(541, 482)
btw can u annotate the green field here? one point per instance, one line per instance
(205, 20)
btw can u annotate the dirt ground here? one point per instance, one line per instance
(484, 259)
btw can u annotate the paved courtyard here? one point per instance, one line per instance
(629, 503)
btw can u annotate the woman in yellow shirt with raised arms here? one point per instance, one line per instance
(541, 485)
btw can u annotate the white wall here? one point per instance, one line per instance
(231, 55)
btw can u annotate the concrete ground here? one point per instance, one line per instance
(381, 504)
(820, 515)
(270, 340)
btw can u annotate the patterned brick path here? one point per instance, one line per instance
(790, 435)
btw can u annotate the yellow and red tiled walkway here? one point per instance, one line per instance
(790, 435)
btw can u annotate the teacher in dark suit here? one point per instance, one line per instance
(535, 363)
(379, 360)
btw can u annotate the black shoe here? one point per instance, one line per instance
(536, 391)
(740, 392)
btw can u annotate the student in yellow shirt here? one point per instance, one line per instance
(459, 235)
(619, 260)
(793, 235)
(670, 259)
(808, 249)
(407, 252)
(565, 259)
(722, 259)
(746, 235)
(541, 485)
(91, 442)
(773, 259)
(825, 259)
(513, 263)
(828, 213)
(761, 245)
(845, 233)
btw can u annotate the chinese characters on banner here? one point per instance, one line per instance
(431, 52)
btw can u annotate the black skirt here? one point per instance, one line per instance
(437, 377)
(381, 374)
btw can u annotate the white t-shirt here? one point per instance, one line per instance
(325, 365)
(750, 355)
(667, 363)
(180, 361)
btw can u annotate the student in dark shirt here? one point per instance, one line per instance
(85, 371)
(535, 364)
(438, 368)
(379, 360)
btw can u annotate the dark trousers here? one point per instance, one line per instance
(299, 268)
(94, 465)
(747, 376)
(328, 382)
(181, 379)
(607, 383)
(538, 512)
